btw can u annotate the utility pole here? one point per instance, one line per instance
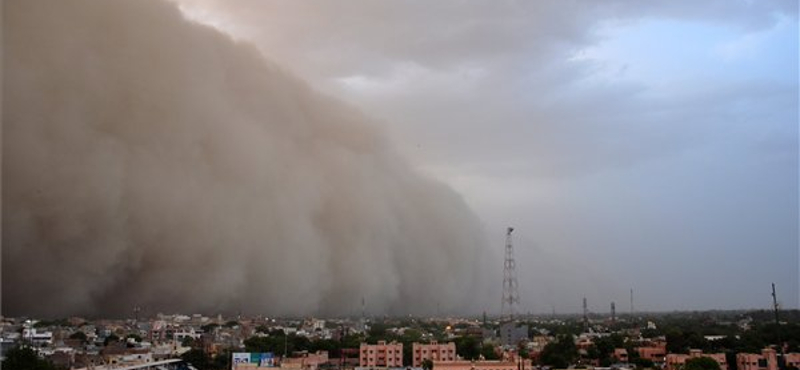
(510, 286)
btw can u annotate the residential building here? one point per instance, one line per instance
(792, 359)
(655, 351)
(675, 361)
(481, 365)
(306, 361)
(511, 334)
(381, 355)
(766, 360)
(434, 351)
(36, 337)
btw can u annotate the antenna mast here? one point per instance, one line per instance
(782, 358)
(510, 285)
(631, 303)
(585, 316)
(613, 313)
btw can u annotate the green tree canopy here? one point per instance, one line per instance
(111, 338)
(78, 335)
(25, 358)
(560, 353)
(468, 348)
(197, 358)
(701, 363)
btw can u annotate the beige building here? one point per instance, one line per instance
(381, 355)
(434, 351)
(306, 361)
(476, 365)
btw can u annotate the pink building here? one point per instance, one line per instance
(478, 365)
(793, 359)
(381, 354)
(767, 360)
(675, 361)
(433, 351)
(655, 352)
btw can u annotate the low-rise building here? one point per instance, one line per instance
(511, 334)
(792, 359)
(766, 360)
(305, 361)
(434, 351)
(655, 351)
(38, 338)
(675, 361)
(381, 355)
(480, 365)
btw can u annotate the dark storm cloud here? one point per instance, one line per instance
(151, 161)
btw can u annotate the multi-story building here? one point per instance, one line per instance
(434, 351)
(655, 351)
(511, 334)
(381, 355)
(766, 360)
(675, 361)
(792, 359)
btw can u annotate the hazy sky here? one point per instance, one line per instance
(644, 145)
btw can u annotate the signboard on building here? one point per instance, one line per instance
(267, 360)
(241, 358)
(253, 359)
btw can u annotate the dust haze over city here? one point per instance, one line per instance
(297, 158)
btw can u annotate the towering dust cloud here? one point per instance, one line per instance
(151, 161)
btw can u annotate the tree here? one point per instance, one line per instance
(488, 352)
(427, 364)
(222, 361)
(188, 341)
(78, 335)
(467, 347)
(642, 363)
(701, 363)
(110, 338)
(197, 358)
(25, 358)
(560, 353)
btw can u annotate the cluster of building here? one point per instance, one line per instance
(108, 344)
(656, 351)
(78, 343)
